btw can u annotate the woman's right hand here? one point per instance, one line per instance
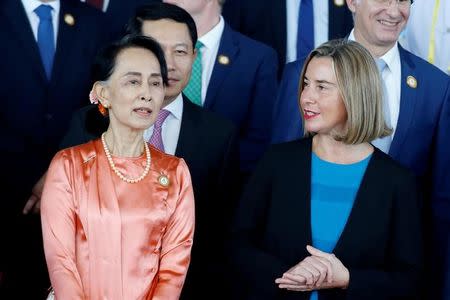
(321, 270)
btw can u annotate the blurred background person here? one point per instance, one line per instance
(233, 76)
(45, 77)
(428, 32)
(313, 217)
(293, 28)
(118, 214)
(118, 12)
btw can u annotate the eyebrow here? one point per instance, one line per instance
(181, 44)
(140, 74)
(320, 81)
(326, 82)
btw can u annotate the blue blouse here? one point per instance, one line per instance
(333, 192)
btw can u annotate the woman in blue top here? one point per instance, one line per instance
(331, 216)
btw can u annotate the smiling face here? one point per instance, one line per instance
(379, 24)
(134, 92)
(321, 102)
(178, 50)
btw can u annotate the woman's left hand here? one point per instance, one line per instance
(339, 276)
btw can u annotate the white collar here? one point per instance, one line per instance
(389, 57)
(176, 107)
(31, 5)
(212, 38)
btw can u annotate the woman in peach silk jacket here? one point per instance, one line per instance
(118, 214)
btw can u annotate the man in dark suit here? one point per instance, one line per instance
(118, 12)
(419, 100)
(238, 78)
(47, 49)
(266, 21)
(206, 141)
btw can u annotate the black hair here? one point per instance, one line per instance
(159, 11)
(105, 61)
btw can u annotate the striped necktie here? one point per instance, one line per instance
(156, 138)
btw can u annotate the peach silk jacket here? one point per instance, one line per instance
(108, 239)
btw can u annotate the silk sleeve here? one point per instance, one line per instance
(58, 229)
(177, 240)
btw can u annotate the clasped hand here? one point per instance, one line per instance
(320, 270)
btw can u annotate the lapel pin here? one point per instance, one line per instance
(163, 180)
(339, 2)
(69, 19)
(411, 81)
(223, 59)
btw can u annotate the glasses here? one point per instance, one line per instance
(400, 3)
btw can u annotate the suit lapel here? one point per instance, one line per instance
(228, 48)
(408, 100)
(66, 37)
(299, 212)
(188, 138)
(279, 27)
(20, 25)
(365, 204)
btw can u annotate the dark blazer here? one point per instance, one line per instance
(243, 90)
(119, 12)
(420, 143)
(380, 244)
(36, 112)
(265, 21)
(207, 143)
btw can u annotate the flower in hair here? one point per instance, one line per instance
(93, 97)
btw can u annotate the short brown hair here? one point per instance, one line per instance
(359, 82)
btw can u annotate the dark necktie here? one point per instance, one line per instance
(305, 31)
(45, 37)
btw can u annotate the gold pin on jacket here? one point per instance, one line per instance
(411, 81)
(223, 59)
(163, 180)
(339, 2)
(69, 19)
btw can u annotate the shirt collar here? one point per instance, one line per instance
(31, 5)
(176, 107)
(389, 57)
(212, 38)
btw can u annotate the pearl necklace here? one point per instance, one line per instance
(118, 173)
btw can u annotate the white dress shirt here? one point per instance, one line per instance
(31, 5)
(416, 37)
(320, 8)
(105, 4)
(391, 76)
(211, 42)
(170, 129)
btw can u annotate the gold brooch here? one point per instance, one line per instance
(223, 59)
(338, 2)
(69, 19)
(163, 180)
(411, 81)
